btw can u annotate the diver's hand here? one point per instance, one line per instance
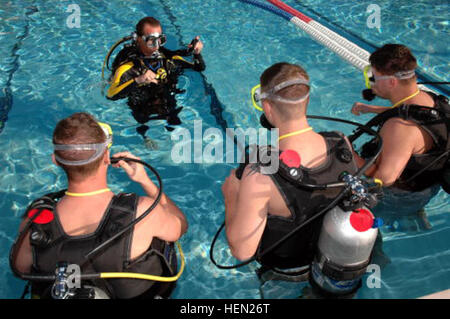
(147, 78)
(359, 108)
(135, 171)
(198, 46)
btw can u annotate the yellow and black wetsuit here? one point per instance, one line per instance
(146, 100)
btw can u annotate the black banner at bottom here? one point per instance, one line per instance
(207, 308)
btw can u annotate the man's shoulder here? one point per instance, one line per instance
(126, 54)
(168, 54)
(400, 130)
(336, 135)
(253, 177)
(396, 123)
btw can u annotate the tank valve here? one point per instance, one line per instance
(60, 289)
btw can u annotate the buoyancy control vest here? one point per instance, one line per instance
(130, 64)
(422, 170)
(50, 245)
(303, 203)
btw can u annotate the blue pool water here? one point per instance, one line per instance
(50, 71)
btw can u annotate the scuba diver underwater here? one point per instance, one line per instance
(310, 220)
(146, 73)
(83, 242)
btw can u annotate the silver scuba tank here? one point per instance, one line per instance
(344, 250)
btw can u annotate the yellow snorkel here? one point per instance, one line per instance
(255, 104)
(367, 70)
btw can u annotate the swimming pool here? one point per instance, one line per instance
(52, 71)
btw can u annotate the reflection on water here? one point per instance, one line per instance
(59, 74)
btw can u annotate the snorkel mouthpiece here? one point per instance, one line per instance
(368, 94)
(265, 122)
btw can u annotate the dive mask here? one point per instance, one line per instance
(371, 78)
(154, 40)
(99, 148)
(258, 96)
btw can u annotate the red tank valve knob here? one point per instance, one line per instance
(361, 220)
(290, 158)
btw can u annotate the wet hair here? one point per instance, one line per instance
(143, 22)
(281, 72)
(393, 58)
(79, 128)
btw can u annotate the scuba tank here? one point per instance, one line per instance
(344, 250)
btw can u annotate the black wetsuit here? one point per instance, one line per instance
(151, 101)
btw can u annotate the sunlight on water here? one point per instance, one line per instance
(59, 73)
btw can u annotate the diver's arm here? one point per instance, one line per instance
(183, 52)
(152, 191)
(123, 82)
(362, 108)
(24, 259)
(198, 64)
(170, 53)
(173, 222)
(246, 209)
(166, 222)
(398, 147)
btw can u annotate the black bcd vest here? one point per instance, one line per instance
(422, 170)
(57, 246)
(303, 203)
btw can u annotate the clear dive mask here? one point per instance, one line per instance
(99, 148)
(154, 40)
(258, 96)
(371, 78)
